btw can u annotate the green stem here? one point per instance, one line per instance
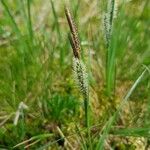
(87, 121)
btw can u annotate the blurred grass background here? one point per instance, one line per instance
(36, 69)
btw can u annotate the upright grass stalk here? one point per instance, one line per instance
(56, 24)
(110, 56)
(29, 20)
(16, 30)
(56, 20)
(79, 69)
(11, 18)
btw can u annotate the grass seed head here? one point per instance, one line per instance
(80, 76)
(109, 16)
(78, 66)
(74, 39)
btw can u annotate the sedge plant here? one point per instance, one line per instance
(79, 68)
(111, 52)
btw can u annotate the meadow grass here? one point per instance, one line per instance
(107, 106)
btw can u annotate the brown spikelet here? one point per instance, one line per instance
(74, 39)
(76, 55)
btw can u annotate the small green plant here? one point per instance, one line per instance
(59, 107)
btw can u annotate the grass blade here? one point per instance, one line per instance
(29, 20)
(11, 18)
(100, 145)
